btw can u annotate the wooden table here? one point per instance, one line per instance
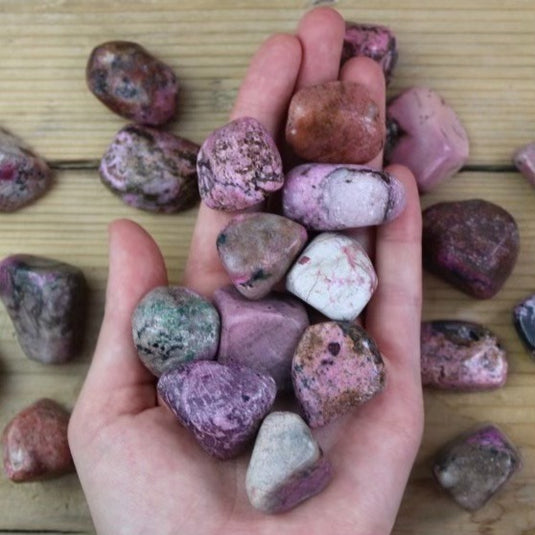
(479, 55)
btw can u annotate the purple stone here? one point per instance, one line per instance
(45, 300)
(471, 244)
(524, 161)
(222, 405)
(172, 325)
(335, 197)
(151, 169)
(425, 134)
(257, 249)
(261, 334)
(373, 41)
(24, 176)
(132, 83)
(238, 166)
(336, 367)
(287, 465)
(460, 355)
(524, 321)
(475, 465)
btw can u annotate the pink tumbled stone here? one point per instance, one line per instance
(260, 334)
(425, 135)
(524, 161)
(334, 275)
(336, 367)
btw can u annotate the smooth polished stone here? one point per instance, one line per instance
(472, 244)
(336, 366)
(221, 405)
(475, 465)
(257, 250)
(337, 196)
(238, 166)
(261, 334)
(24, 176)
(35, 443)
(287, 465)
(335, 122)
(172, 325)
(151, 170)
(374, 41)
(45, 300)
(426, 135)
(334, 275)
(132, 82)
(461, 355)
(524, 161)
(524, 321)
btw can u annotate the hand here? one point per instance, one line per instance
(141, 471)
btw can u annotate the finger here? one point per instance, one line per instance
(321, 32)
(135, 267)
(365, 71)
(264, 95)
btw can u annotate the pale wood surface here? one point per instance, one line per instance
(479, 55)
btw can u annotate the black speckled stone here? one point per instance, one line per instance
(524, 321)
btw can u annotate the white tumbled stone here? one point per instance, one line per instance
(334, 275)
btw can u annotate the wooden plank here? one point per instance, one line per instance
(478, 56)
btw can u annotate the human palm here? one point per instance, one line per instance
(141, 471)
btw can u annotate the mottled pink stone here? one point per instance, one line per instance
(261, 334)
(132, 83)
(238, 166)
(336, 367)
(524, 161)
(336, 196)
(35, 443)
(524, 322)
(287, 465)
(45, 300)
(257, 249)
(425, 134)
(475, 465)
(151, 170)
(334, 275)
(222, 405)
(461, 355)
(24, 176)
(471, 244)
(374, 41)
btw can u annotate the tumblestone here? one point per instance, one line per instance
(373, 41)
(222, 405)
(24, 176)
(461, 355)
(35, 443)
(336, 367)
(132, 83)
(172, 325)
(524, 161)
(476, 465)
(261, 334)
(45, 300)
(334, 275)
(335, 122)
(238, 166)
(151, 169)
(287, 465)
(524, 321)
(257, 249)
(425, 134)
(472, 244)
(335, 196)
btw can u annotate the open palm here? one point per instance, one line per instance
(141, 471)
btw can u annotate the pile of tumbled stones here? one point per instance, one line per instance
(221, 365)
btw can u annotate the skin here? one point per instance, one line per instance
(140, 470)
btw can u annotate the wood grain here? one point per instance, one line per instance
(478, 55)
